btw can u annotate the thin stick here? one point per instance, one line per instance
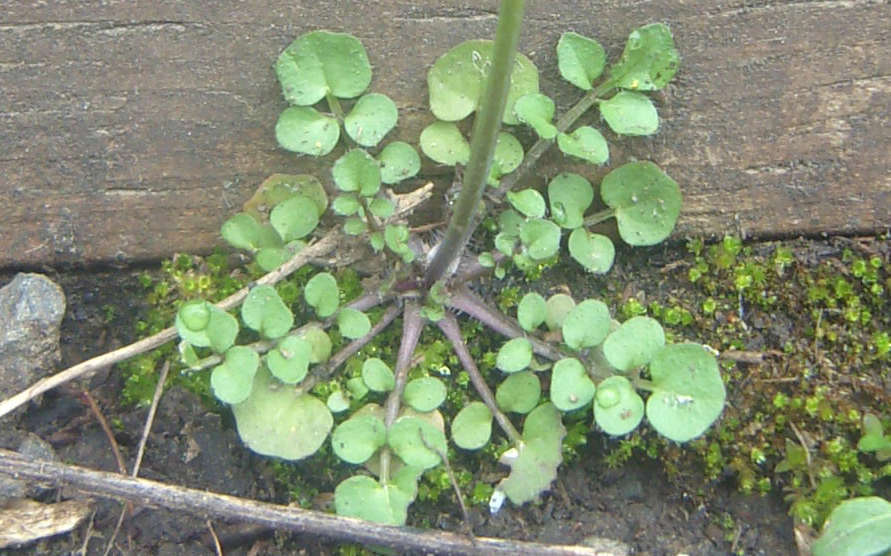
(216, 540)
(221, 506)
(97, 413)
(90, 366)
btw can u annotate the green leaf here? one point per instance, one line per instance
(294, 218)
(586, 324)
(357, 387)
(364, 498)
(569, 196)
(510, 222)
(857, 526)
(382, 208)
(377, 375)
(187, 355)
(528, 202)
(264, 311)
(354, 226)
(630, 113)
(281, 187)
(396, 238)
(289, 361)
(280, 422)
(586, 143)
(558, 306)
(618, 409)
(507, 157)
(233, 379)
(634, 343)
(649, 61)
(357, 171)
(320, 342)
(472, 426)
(595, 252)
(346, 204)
(457, 79)
(515, 355)
(321, 294)
(358, 438)
(531, 311)
(219, 331)
(412, 438)
(242, 231)
(541, 238)
(570, 386)
(486, 260)
(337, 402)
(398, 161)
(372, 117)
(425, 393)
(444, 143)
(353, 324)
(270, 258)
(536, 459)
(647, 202)
(537, 110)
(580, 59)
(322, 62)
(304, 130)
(519, 392)
(688, 393)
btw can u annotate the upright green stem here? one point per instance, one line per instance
(482, 143)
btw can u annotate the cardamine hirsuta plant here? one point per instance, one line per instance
(559, 356)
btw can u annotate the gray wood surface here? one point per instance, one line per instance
(131, 130)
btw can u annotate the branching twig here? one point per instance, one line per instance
(287, 518)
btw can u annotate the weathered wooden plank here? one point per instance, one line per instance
(130, 130)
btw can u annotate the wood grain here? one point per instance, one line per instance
(129, 131)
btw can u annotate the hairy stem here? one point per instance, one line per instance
(482, 143)
(449, 327)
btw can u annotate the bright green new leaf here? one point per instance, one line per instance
(270, 258)
(688, 393)
(586, 143)
(569, 196)
(649, 61)
(634, 343)
(304, 130)
(362, 497)
(537, 110)
(398, 161)
(515, 355)
(531, 311)
(337, 402)
(486, 260)
(281, 187)
(535, 462)
(558, 306)
(358, 438)
(618, 409)
(218, 328)
(580, 59)
(586, 324)
(346, 204)
(279, 422)
(507, 157)
(874, 439)
(541, 238)
(856, 526)
(396, 238)
(294, 218)
(354, 226)
(373, 116)
(444, 143)
(595, 252)
(425, 393)
(472, 426)
(647, 202)
(528, 202)
(505, 243)
(519, 392)
(233, 379)
(322, 62)
(187, 355)
(630, 113)
(289, 361)
(264, 311)
(353, 324)
(571, 388)
(377, 375)
(321, 294)
(457, 79)
(357, 171)
(357, 387)
(382, 208)
(320, 342)
(242, 231)
(417, 442)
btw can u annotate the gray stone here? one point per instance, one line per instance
(31, 310)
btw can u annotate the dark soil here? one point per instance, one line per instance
(196, 447)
